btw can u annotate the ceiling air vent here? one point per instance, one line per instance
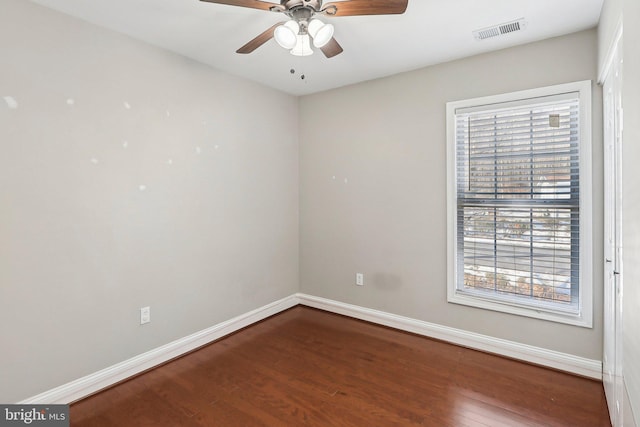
(498, 30)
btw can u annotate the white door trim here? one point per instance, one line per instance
(612, 340)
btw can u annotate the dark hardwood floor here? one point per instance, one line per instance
(309, 367)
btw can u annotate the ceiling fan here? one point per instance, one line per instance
(304, 28)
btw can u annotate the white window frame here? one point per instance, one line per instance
(584, 317)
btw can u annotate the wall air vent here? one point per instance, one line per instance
(498, 30)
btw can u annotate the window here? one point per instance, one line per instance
(519, 203)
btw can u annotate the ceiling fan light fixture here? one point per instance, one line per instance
(286, 35)
(303, 46)
(298, 35)
(320, 32)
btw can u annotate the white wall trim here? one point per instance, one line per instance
(97, 381)
(92, 383)
(540, 356)
(628, 419)
(611, 50)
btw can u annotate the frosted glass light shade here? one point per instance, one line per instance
(303, 46)
(320, 32)
(286, 35)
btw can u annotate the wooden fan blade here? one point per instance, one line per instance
(365, 7)
(253, 4)
(331, 49)
(259, 40)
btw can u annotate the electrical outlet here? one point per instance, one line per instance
(359, 279)
(145, 315)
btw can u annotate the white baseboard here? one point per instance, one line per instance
(540, 356)
(628, 419)
(97, 381)
(92, 383)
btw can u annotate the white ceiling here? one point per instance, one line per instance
(430, 32)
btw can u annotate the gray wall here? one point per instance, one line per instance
(373, 188)
(212, 234)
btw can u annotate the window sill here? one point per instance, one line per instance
(510, 307)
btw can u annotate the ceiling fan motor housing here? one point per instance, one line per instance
(302, 16)
(312, 4)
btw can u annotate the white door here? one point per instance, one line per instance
(612, 357)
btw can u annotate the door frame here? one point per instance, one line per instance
(612, 363)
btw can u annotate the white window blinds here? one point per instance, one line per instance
(518, 201)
